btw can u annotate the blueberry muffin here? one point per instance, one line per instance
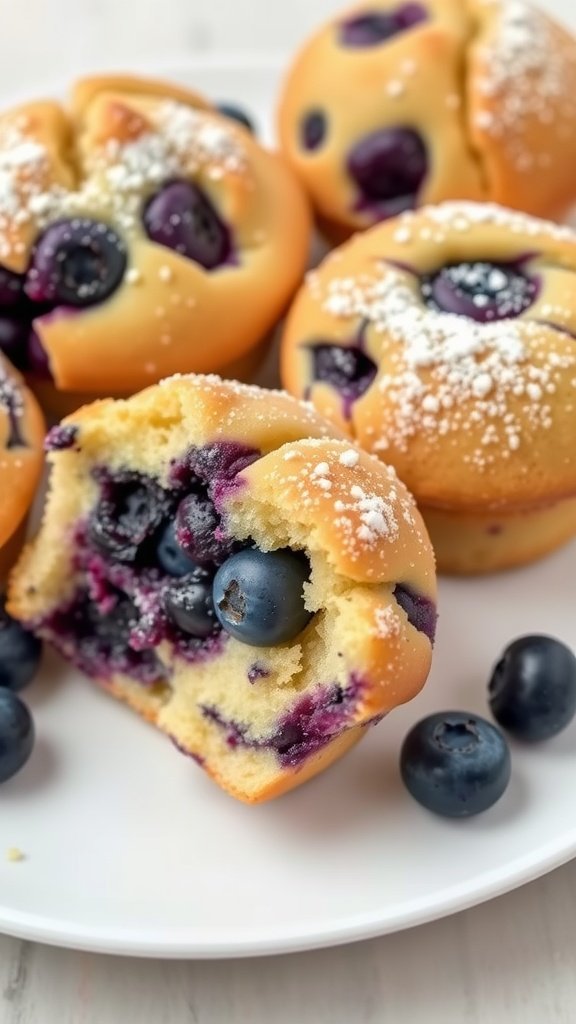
(215, 556)
(21, 458)
(444, 342)
(131, 223)
(397, 104)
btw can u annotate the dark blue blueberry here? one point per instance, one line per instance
(455, 764)
(258, 596)
(374, 27)
(76, 262)
(533, 688)
(236, 114)
(345, 368)
(181, 217)
(172, 559)
(11, 288)
(313, 127)
(388, 168)
(199, 532)
(189, 604)
(20, 653)
(420, 611)
(16, 734)
(130, 511)
(14, 339)
(481, 291)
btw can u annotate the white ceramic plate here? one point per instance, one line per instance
(131, 849)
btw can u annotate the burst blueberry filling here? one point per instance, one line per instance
(372, 28)
(482, 291)
(388, 168)
(347, 369)
(314, 720)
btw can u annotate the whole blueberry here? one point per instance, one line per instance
(181, 217)
(259, 598)
(189, 604)
(481, 291)
(172, 559)
(16, 734)
(236, 114)
(455, 764)
(76, 262)
(313, 128)
(389, 167)
(20, 653)
(533, 688)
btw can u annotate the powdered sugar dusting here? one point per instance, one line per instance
(445, 373)
(529, 75)
(117, 174)
(387, 622)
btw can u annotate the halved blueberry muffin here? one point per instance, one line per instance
(131, 223)
(217, 557)
(399, 103)
(444, 342)
(21, 458)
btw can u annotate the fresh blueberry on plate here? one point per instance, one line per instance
(532, 690)
(259, 596)
(20, 653)
(455, 764)
(16, 734)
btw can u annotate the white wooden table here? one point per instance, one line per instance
(509, 962)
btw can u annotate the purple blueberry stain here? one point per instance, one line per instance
(346, 368)
(388, 169)
(314, 720)
(482, 291)
(132, 597)
(257, 671)
(181, 217)
(420, 610)
(373, 27)
(61, 437)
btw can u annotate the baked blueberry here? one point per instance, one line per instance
(189, 604)
(532, 690)
(375, 27)
(349, 370)
(481, 291)
(181, 217)
(172, 559)
(313, 129)
(199, 532)
(37, 360)
(76, 262)
(20, 652)
(455, 764)
(259, 596)
(420, 610)
(130, 511)
(16, 734)
(236, 114)
(388, 168)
